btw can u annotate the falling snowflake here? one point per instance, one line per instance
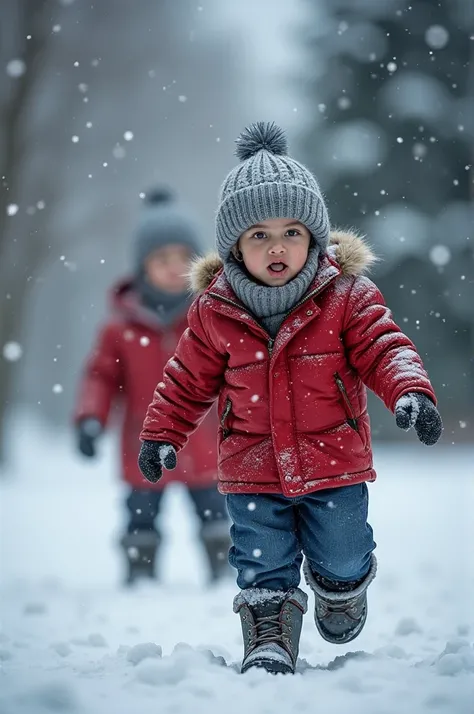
(252, 506)
(344, 103)
(16, 68)
(440, 255)
(12, 351)
(419, 151)
(12, 209)
(144, 341)
(249, 575)
(128, 135)
(118, 152)
(58, 389)
(436, 37)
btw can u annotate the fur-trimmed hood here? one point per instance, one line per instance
(347, 249)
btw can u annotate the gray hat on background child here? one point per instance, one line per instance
(163, 221)
(268, 184)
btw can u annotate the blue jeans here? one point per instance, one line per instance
(270, 534)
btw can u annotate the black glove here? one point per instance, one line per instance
(154, 455)
(417, 410)
(87, 432)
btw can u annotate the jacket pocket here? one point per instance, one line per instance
(348, 408)
(225, 418)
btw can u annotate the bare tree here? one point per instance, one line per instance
(26, 23)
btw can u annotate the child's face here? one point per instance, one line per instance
(166, 268)
(275, 250)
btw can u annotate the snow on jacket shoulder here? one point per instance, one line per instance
(293, 410)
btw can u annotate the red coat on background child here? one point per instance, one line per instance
(121, 374)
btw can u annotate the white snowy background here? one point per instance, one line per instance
(74, 640)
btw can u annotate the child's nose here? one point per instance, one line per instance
(277, 249)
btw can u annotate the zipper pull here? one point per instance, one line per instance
(350, 417)
(271, 342)
(339, 383)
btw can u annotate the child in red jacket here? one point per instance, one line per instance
(286, 334)
(149, 316)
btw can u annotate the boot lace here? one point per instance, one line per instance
(271, 632)
(352, 608)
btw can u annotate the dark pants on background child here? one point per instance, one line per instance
(270, 534)
(143, 536)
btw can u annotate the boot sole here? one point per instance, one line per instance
(270, 666)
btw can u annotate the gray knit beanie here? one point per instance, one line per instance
(164, 221)
(268, 184)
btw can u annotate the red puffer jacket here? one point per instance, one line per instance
(120, 376)
(293, 411)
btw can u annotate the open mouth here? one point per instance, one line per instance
(277, 269)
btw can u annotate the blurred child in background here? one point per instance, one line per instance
(148, 316)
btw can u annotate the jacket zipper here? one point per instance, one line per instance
(352, 419)
(270, 341)
(225, 414)
(310, 295)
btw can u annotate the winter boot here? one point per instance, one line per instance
(271, 627)
(140, 553)
(340, 609)
(216, 540)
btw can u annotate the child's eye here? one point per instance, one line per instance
(260, 235)
(292, 232)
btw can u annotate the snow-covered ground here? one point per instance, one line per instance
(72, 640)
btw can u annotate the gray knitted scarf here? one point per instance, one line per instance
(168, 308)
(270, 305)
